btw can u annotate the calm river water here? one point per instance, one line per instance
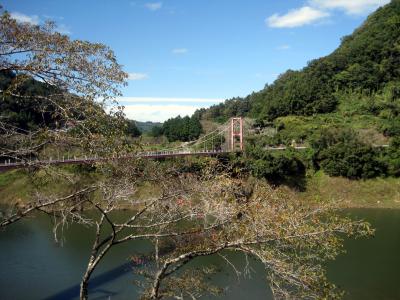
(32, 266)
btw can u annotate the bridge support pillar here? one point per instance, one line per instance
(236, 138)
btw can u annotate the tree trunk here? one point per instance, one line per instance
(94, 260)
(83, 293)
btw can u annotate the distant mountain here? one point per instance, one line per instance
(145, 127)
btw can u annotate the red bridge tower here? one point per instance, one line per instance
(237, 134)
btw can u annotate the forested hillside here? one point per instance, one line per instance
(33, 109)
(344, 107)
(367, 63)
(181, 129)
(26, 113)
(146, 127)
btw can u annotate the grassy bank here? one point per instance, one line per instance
(18, 186)
(15, 186)
(371, 193)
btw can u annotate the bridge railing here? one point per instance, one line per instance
(8, 164)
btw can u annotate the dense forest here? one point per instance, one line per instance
(179, 129)
(146, 127)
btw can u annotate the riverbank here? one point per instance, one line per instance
(371, 193)
(17, 187)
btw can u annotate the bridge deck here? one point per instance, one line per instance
(87, 160)
(148, 155)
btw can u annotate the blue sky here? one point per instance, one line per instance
(186, 54)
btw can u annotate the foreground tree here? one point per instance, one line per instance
(67, 83)
(191, 212)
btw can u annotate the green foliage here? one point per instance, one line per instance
(304, 92)
(7, 178)
(216, 142)
(182, 129)
(145, 127)
(156, 131)
(351, 160)
(275, 167)
(132, 129)
(393, 158)
(235, 107)
(340, 153)
(391, 127)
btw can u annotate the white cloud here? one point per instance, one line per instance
(153, 5)
(353, 7)
(137, 76)
(296, 18)
(161, 109)
(180, 51)
(316, 10)
(22, 18)
(283, 47)
(157, 113)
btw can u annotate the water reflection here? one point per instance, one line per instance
(96, 284)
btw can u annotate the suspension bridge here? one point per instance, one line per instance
(227, 138)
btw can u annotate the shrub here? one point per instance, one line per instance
(352, 160)
(276, 167)
(339, 152)
(393, 158)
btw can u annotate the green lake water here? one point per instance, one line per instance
(33, 266)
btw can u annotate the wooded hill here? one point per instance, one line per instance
(34, 109)
(146, 127)
(344, 106)
(365, 70)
